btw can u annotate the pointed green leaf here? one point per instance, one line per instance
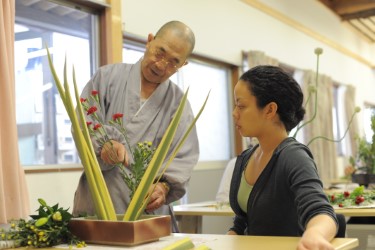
(142, 192)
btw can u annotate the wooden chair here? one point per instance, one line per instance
(341, 233)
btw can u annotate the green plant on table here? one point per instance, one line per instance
(48, 228)
(364, 161)
(358, 197)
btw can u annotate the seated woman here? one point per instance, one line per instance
(275, 188)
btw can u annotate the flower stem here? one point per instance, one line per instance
(333, 140)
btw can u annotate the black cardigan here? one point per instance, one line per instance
(287, 194)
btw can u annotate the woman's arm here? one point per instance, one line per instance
(320, 230)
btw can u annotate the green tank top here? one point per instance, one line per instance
(244, 193)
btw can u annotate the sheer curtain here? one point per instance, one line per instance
(349, 102)
(255, 57)
(324, 152)
(14, 202)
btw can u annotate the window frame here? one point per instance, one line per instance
(109, 31)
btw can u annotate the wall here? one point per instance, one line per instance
(225, 28)
(55, 187)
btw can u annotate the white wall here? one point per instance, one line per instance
(55, 187)
(225, 28)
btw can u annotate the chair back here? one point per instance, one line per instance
(341, 233)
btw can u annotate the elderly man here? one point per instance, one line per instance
(146, 97)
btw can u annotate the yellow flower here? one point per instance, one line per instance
(57, 216)
(40, 222)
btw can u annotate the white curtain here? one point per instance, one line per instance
(14, 201)
(349, 102)
(324, 152)
(255, 58)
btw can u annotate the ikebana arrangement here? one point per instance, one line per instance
(146, 171)
(141, 154)
(103, 203)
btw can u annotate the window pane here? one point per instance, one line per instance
(213, 126)
(44, 129)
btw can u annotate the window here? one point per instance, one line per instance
(368, 111)
(44, 129)
(214, 127)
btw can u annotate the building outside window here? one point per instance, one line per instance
(44, 129)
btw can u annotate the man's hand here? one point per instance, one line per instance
(114, 152)
(158, 197)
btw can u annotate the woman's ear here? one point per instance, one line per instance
(271, 109)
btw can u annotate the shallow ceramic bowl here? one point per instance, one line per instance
(126, 233)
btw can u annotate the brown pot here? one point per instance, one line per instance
(126, 233)
(363, 179)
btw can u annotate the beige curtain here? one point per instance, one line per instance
(14, 201)
(324, 152)
(353, 132)
(255, 58)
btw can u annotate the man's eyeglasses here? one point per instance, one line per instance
(160, 56)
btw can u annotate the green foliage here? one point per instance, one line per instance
(100, 194)
(365, 158)
(358, 197)
(46, 229)
(142, 155)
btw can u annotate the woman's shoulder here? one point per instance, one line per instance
(294, 154)
(291, 146)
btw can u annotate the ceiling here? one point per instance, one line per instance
(360, 14)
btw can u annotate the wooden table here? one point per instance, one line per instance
(189, 216)
(224, 242)
(357, 212)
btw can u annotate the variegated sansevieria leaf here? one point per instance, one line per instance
(100, 194)
(185, 136)
(144, 188)
(183, 244)
(174, 153)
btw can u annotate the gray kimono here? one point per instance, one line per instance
(119, 92)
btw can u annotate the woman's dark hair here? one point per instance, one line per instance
(272, 84)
